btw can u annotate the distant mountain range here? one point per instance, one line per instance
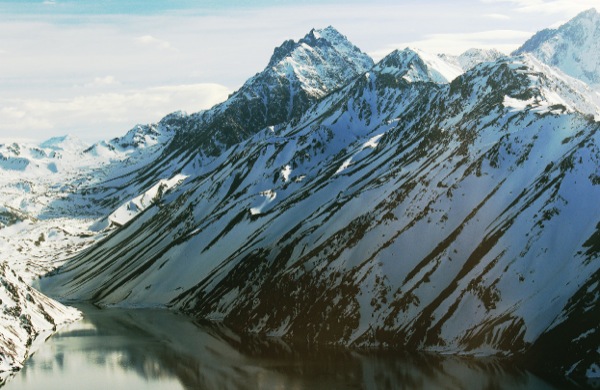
(425, 202)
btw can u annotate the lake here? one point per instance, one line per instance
(156, 349)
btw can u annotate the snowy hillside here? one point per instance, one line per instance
(414, 207)
(27, 318)
(573, 47)
(38, 180)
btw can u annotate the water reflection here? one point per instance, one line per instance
(156, 349)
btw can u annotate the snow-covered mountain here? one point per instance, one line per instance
(417, 65)
(425, 202)
(416, 206)
(39, 181)
(45, 157)
(298, 74)
(52, 194)
(573, 47)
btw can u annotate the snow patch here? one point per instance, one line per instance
(516, 104)
(584, 335)
(130, 209)
(286, 172)
(344, 166)
(373, 142)
(269, 196)
(593, 371)
(441, 71)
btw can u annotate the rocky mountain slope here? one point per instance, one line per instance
(27, 316)
(402, 205)
(297, 75)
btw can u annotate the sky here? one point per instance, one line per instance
(96, 68)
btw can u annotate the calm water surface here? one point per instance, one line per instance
(156, 349)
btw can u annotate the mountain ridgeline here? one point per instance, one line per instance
(298, 74)
(425, 202)
(573, 47)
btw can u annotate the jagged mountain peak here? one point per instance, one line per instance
(591, 14)
(313, 38)
(321, 40)
(581, 25)
(415, 65)
(327, 36)
(573, 47)
(321, 61)
(298, 74)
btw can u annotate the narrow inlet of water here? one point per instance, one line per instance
(156, 349)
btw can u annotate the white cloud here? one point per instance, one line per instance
(15, 119)
(12, 113)
(104, 115)
(497, 16)
(152, 41)
(102, 82)
(565, 7)
(457, 43)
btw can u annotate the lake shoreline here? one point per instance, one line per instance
(169, 350)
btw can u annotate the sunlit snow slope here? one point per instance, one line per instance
(573, 47)
(404, 204)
